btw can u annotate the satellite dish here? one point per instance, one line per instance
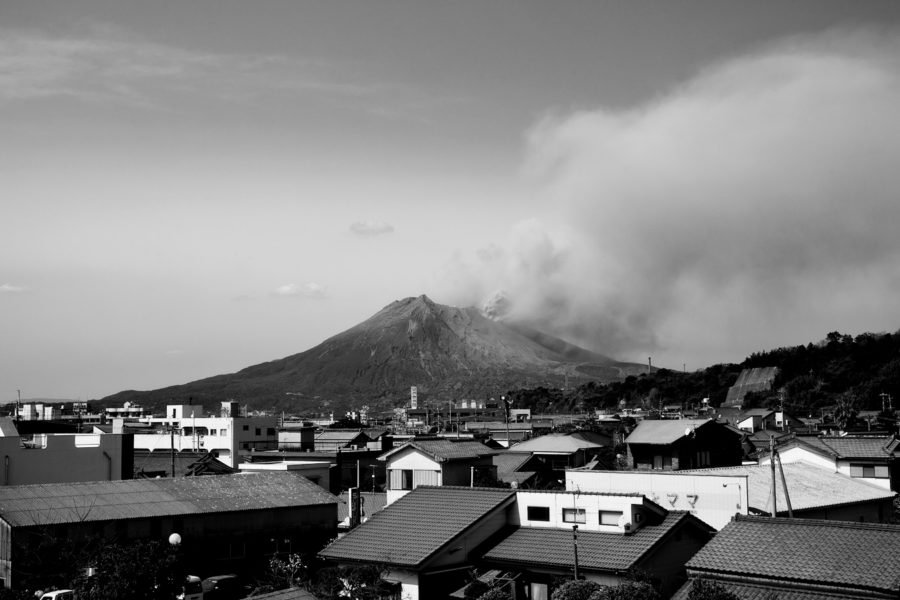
(687, 431)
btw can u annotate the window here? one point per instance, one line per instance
(662, 462)
(538, 513)
(258, 431)
(703, 458)
(573, 515)
(610, 517)
(406, 479)
(539, 591)
(246, 428)
(223, 432)
(870, 471)
(270, 431)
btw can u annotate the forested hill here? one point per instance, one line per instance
(841, 369)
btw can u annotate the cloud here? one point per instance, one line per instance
(310, 289)
(109, 64)
(754, 206)
(8, 288)
(371, 228)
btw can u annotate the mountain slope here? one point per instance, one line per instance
(448, 352)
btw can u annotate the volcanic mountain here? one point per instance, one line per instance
(447, 352)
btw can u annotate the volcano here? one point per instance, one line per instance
(449, 353)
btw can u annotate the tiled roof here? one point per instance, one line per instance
(417, 525)
(51, 503)
(854, 447)
(508, 464)
(809, 486)
(444, 449)
(596, 551)
(562, 442)
(836, 553)
(746, 591)
(663, 431)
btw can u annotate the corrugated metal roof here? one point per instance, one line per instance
(417, 525)
(855, 555)
(663, 431)
(809, 486)
(562, 442)
(53, 503)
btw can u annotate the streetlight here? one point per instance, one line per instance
(175, 544)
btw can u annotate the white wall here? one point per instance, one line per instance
(702, 495)
(591, 503)
(61, 457)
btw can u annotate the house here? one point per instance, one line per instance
(501, 431)
(160, 463)
(767, 419)
(317, 471)
(62, 457)
(674, 444)
(428, 539)
(370, 503)
(521, 471)
(874, 459)
(556, 452)
(331, 440)
(227, 523)
(436, 461)
(616, 535)
(801, 559)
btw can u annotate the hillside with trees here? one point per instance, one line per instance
(840, 374)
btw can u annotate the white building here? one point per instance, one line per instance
(185, 428)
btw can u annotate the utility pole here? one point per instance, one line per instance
(772, 464)
(575, 548)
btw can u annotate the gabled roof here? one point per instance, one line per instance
(811, 551)
(664, 431)
(809, 486)
(508, 465)
(339, 435)
(52, 503)
(848, 447)
(445, 449)
(597, 551)
(562, 443)
(415, 527)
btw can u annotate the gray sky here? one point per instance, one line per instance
(189, 188)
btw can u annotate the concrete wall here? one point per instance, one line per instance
(61, 457)
(592, 504)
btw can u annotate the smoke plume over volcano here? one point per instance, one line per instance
(755, 206)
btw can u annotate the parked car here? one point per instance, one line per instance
(223, 587)
(59, 595)
(192, 589)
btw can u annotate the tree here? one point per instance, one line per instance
(353, 582)
(576, 589)
(701, 589)
(139, 570)
(495, 593)
(630, 590)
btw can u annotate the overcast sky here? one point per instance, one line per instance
(190, 188)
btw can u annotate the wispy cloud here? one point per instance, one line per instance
(371, 228)
(9, 288)
(112, 65)
(310, 289)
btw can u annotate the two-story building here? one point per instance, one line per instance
(674, 444)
